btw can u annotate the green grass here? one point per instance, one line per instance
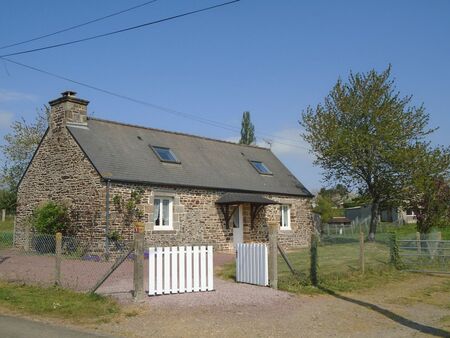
(57, 303)
(6, 232)
(8, 224)
(338, 268)
(409, 230)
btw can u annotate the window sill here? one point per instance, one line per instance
(285, 229)
(162, 229)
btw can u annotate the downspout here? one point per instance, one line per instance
(108, 186)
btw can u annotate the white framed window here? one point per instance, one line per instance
(163, 213)
(285, 217)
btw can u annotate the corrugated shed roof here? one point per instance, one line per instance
(122, 152)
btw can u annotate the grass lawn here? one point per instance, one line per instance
(58, 303)
(8, 224)
(339, 262)
(409, 230)
(6, 232)
(338, 268)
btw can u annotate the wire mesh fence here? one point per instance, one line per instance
(71, 262)
(425, 254)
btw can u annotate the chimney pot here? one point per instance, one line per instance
(69, 93)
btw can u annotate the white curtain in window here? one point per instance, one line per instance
(166, 212)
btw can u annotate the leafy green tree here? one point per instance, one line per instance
(247, 130)
(324, 208)
(358, 132)
(7, 200)
(338, 194)
(19, 147)
(427, 191)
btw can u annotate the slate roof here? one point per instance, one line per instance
(122, 153)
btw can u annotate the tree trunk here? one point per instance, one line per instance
(373, 220)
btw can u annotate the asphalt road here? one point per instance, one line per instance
(13, 327)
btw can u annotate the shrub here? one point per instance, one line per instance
(51, 218)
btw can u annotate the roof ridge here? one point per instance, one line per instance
(176, 133)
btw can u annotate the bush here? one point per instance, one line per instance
(51, 218)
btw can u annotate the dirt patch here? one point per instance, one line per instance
(240, 310)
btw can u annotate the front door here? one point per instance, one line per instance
(238, 226)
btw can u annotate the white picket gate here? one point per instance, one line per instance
(252, 264)
(180, 269)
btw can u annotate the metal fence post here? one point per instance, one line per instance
(361, 252)
(58, 252)
(273, 255)
(138, 273)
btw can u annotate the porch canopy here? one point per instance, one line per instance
(257, 203)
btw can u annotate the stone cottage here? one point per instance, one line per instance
(191, 189)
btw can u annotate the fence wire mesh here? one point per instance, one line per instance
(81, 266)
(426, 254)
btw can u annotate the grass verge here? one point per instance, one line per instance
(8, 224)
(58, 303)
(338, 268)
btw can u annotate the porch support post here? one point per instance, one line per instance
(273, 255)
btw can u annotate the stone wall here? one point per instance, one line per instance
(198, 220)
(60, 172)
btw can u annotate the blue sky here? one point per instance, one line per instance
(273, 58)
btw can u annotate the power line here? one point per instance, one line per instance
(121, 30)
(79, 25)
(155, 106)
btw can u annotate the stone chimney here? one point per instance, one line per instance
(67, 109)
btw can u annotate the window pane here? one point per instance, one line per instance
(261, 167)
(285, 216)
(157, 212)
(165, 213)
(165, 154)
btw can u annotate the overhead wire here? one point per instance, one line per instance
(120, 30)
(78, 25)
(155, 106)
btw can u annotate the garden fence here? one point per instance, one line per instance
(425, 253)
(70, 262)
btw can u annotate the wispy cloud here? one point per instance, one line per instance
(8, 95)
(6, 119)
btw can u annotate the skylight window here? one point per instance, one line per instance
(165, 154)
(261, 167)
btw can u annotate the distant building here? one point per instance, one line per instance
(393, 215)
